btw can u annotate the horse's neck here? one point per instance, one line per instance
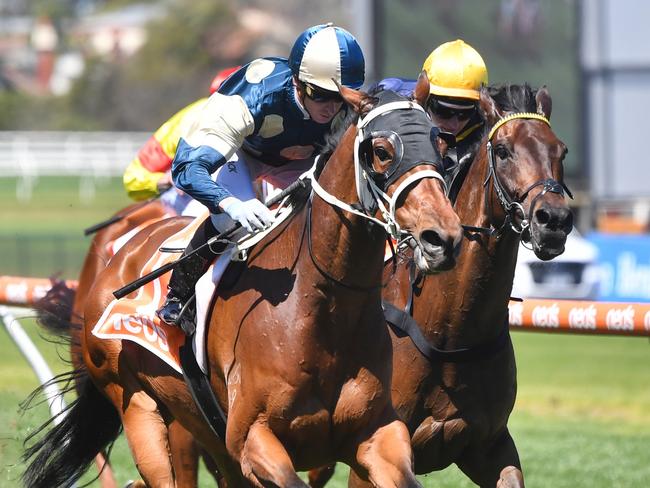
(345, 246)
(477, 290)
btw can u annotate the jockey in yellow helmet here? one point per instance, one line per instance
(456, 72)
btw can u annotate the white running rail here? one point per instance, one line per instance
(35, 360)
(52, 153)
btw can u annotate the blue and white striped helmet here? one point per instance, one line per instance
(324, 52)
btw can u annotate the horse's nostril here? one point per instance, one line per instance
(567, 221)
(555, 219)
(543, 216)
(430, 238)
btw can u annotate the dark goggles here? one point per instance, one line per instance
(445, 112)
(319, 95)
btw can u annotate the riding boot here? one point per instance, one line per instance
(184, 277)
(181, 287)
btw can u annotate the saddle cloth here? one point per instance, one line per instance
(134, 319)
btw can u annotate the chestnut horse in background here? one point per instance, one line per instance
(456, 402)
(297, 352)
(61, 312)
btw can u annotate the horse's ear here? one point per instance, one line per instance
(421, 92)
(488, 107)
(544, 102)
(360, 101)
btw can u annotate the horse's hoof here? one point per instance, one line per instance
(135, 484)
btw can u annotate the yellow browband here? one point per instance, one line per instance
(520, 115)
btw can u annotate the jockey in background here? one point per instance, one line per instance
(149, 174)
(266, 121)
(456, 72)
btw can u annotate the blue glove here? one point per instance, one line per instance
(251, 214)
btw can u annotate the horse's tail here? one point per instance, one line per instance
(54, 310)
(88, 426)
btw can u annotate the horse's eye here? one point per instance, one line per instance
(382, 154)
(501, 152)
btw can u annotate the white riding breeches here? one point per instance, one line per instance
(246, 177)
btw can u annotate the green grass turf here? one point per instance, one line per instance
(581, 418)
(58, 205)
(44, 235)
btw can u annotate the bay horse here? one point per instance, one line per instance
(456, 400)
(296, 355)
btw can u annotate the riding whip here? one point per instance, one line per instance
(143, 280)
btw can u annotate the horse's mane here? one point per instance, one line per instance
(508, 98)
(339, 125)
(514, 98)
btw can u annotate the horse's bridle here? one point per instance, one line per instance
(377, 183)
(402, 319)
(377, 189)
(512, 206)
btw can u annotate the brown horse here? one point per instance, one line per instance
(183, 450)
(456, 400)
(296, 356)
(98, 256)
(61, 312)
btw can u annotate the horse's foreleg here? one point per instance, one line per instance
(386, 457)
(264, 460)
(493, 465)
(185, 455)
(106, 478)
(511, 477)
(147, 436)
(354, 481)
(319, 477)
(212, 468)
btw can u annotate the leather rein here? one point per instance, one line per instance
(402, 321)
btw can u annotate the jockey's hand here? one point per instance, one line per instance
(165, 183)
(251, 214)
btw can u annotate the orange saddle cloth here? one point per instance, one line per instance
(134, 319)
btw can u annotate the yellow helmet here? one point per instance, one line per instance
(455, 70)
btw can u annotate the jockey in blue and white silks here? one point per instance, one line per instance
(266, 122)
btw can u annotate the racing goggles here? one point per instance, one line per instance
(319, 95)
(448, 110)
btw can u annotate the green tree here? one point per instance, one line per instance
(173, 68)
